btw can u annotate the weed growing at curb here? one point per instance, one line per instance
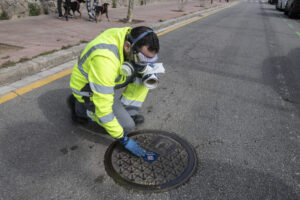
(45, 53)
(161, 20)
(8, 64)
(24, 59)
(66, 47)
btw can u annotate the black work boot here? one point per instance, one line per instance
(75, 118)
(138, 119)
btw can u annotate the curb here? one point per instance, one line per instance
(42, 63)
(182, 19)
(39, 64)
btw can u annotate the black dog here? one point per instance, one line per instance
(74, 6)
(100, 10)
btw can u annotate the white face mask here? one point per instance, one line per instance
(145, 59)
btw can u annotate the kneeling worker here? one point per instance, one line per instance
(119, 57)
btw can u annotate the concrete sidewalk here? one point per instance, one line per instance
(26, 38)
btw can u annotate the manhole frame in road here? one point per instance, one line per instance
(188, 170)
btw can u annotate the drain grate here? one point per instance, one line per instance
(176, 162)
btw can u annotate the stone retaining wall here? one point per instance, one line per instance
(19, 8)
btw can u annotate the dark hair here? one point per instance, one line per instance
(150, 40)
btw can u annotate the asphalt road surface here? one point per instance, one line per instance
(232, 90)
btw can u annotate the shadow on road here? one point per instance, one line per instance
(215, 180)
(54, 106)
(282, 74)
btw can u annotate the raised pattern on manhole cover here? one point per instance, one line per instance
(175, 164)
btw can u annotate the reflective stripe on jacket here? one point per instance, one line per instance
(99, 66)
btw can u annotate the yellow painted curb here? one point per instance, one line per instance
(34, 85)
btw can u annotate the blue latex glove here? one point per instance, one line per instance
(132, 146)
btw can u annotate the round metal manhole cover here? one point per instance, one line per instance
(175, 165)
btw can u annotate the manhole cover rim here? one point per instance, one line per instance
(180, 180)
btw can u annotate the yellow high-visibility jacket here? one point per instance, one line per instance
(99, 67)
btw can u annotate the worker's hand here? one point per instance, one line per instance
(132, 146)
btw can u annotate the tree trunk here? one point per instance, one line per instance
(130, 9)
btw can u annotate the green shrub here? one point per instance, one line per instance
(114, 4)
(4, 16)
(24, 59)
(34, 9)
